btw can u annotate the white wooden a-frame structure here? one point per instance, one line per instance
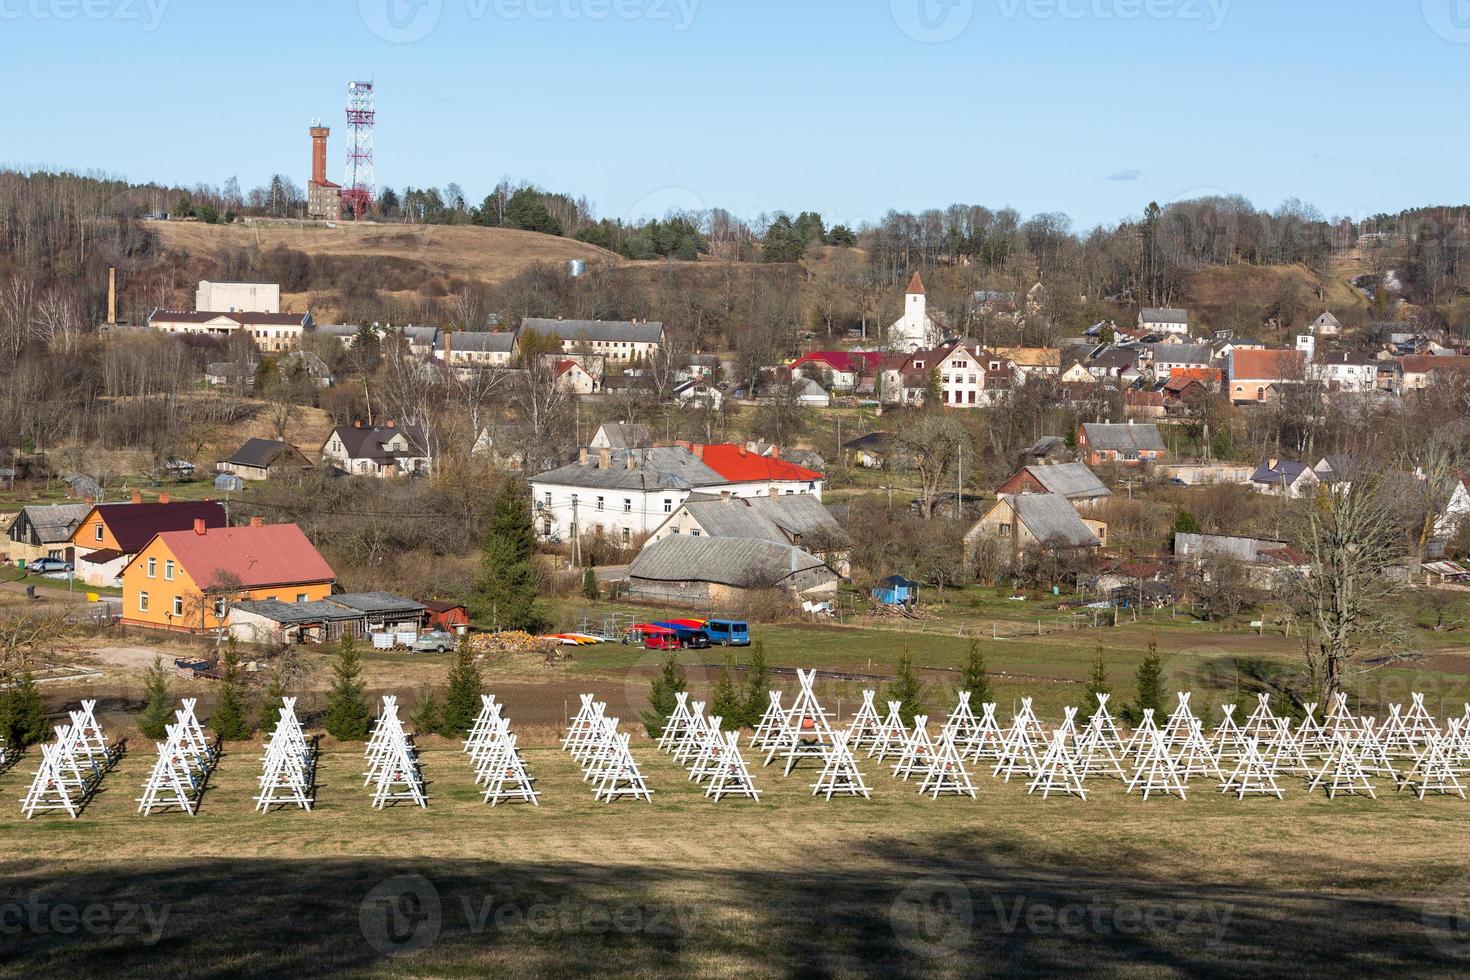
(893, 737)
(1287, 756)
(1227, 741)
(1180, 723)
(770, 724)
(988, 741)
(961, 723)
(1342, 772)
(1155, 771)
(1018, 756)
(711, 747)
(866, 728)
(59, 783)
(1420, 724)
(484, 726)
(1058, 771)
(393, 769)
(730, 776)
(503, 772)
(807, 733)
(1100, 748)
(1434, 770)
(840, 775)
(677, 727)
(691, 739)
(583, 723)
(918, 751)
(1261, 724)
(1252, 775)
(174, 782)
(947, 774)
(289, 765)
(1195, 757)
(621, 778)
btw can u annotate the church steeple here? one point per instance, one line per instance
(916, 286)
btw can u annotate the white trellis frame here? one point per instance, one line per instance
(174, 782)
(840, 774)
(1252, 775)
(893, 736)
(807, 733)
(731, 776)
(918, 751)
(770, 724)
(866, 728)
(1155, 771)
(947, 775)
(1058, 772)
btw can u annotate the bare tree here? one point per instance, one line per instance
(929, 446)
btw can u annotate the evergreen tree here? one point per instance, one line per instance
(159, 710)
(1097, 682)
(906, 688)
(1150, 685)
(661, 699)
(757, 687)
(974, 678)
(348, 716)
(22, 713)
(589, 585)
(505, 593)
(228, 719)
(725, 699)
(462, 705)
(428, 712)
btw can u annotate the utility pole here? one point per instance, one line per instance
(576, 537)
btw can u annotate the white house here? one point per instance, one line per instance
(386, 451)
(1326, 325)
(1164, 320)
(622, 341)
(1346, 371)
(915, 329)
(628, 493)
(466, 349)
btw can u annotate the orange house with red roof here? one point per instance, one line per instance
(188, 580)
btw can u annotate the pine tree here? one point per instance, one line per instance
(974, 678)
(589, 585)
(22, 713)
(348, 716)
(757, 687)
(1097, 682)
(505, 592)
(725, 699)
(428, 712)
(462, 705)
(906, 688)
(1150, 684)
(661, 700)
(159, 710)
(228, 719)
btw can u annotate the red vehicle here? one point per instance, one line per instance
(660, 641)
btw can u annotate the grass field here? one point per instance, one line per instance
(898, 885)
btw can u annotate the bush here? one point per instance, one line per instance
(159, 708)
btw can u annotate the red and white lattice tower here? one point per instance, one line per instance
(359, 188)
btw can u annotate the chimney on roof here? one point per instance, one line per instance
(582, 456)
(163, 498)
(698, 450)
(391, 424)
(199, 526)
(632, 461)
(257, 522)
(137, 496)
(775, 452)
(604, 458)
(726, 496)
(357, 423)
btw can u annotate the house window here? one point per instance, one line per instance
(627, 505)
(168, 570)
(599, 503)
(178, 605)
(301, 597)
(142, 602)
(668, 505)
(627, 535)
(944, 379)
(153, 568)
(694, 533)
(219, 607)
(548, 498)
(97, 532)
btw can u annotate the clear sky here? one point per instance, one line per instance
(848, 107)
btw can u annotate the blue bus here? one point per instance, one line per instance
(728, 632)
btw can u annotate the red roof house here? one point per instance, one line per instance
(739, 465)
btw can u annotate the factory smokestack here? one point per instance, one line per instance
(319, 136)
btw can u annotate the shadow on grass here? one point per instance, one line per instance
(948, 907)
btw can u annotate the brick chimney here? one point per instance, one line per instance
(137, 496)
(163, 498)
(604, 458)
(582, 456)
(698, 450)
(357, 423)
(632, 461)
(200, 527)
(391, 424)
(257, 522)
(775, 452)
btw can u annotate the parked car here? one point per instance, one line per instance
(692, 639)
(434, 642)
(45, 566)
(660, 641)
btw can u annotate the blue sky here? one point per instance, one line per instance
(849, 107)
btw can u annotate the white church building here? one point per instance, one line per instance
(916, 330)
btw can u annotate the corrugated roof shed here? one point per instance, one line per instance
(1123, 436)
(739, 562)
(778, 519)
(1053, 520)
(1072, 480)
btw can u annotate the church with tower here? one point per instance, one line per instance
(916, 330)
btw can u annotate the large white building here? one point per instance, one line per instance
(915, 329)
(628, 493)
(237, 297)
(620, 341)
